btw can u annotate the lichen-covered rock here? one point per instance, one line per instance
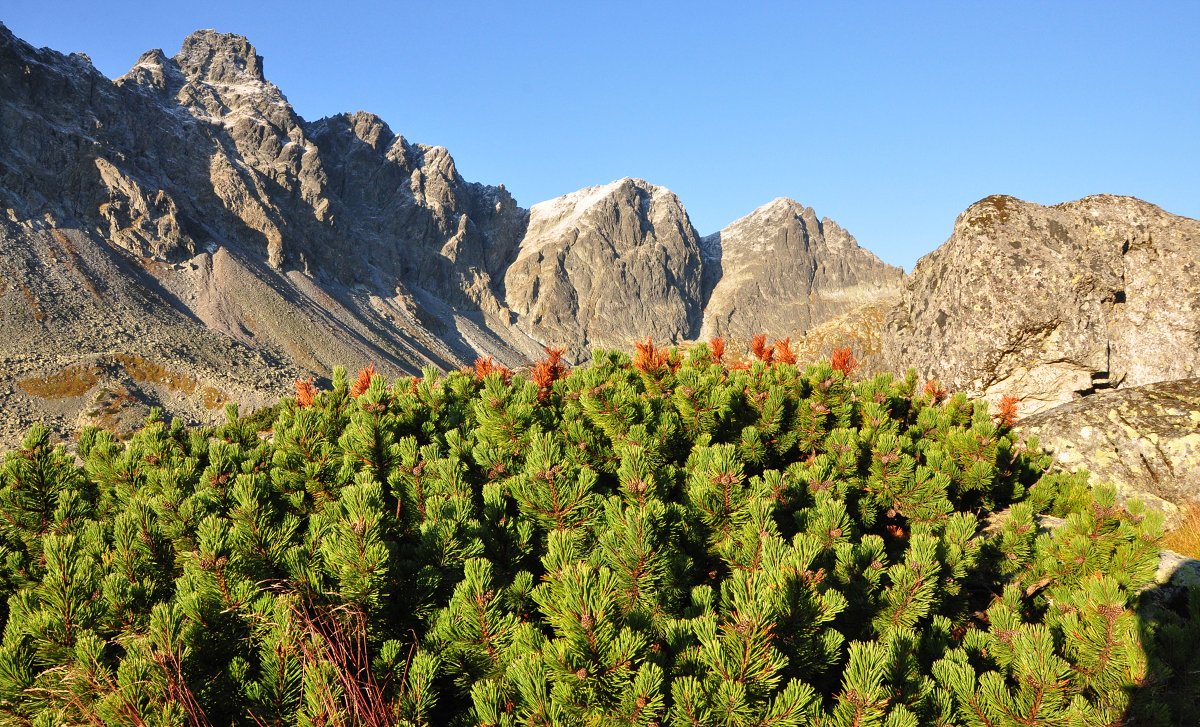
(1177, 570)
(1050, 303)
(1145, 441)
(860, 329)
(780, 271)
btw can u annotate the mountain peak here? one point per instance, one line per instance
(770, 214)
(780, 271)
(605, 260)
(215, 57)
(780, 203)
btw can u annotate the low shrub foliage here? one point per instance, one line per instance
(661, 541)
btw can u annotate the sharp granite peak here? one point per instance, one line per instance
(220, 58)
(602, 265)
(781, 271)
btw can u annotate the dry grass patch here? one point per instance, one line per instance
(74, 380)
(38, 314)
(72, 262)
(1185, 539)
(145, 371)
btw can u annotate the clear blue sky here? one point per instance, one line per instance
(888, 117)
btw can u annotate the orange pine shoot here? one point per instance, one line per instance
(783, 351)
(717, 348)
(363, 382)
(554, 362)
(843, 360)
(486, 365)
(306, 393)
(648, 359)
(643, 358)
(758, 346)
(1006, 412)
(549, 370)
(934, 389)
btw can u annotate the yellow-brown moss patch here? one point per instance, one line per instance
(74, 380)
(145, 371)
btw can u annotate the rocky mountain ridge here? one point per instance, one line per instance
(186, 216)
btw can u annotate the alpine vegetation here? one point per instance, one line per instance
(675, 538)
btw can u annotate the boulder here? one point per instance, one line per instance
(1051, 303)
(1145, 441)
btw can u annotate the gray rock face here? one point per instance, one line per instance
(202, 149)
(1050, 303)
(600, 263)
(1145, 441)
(780, 271)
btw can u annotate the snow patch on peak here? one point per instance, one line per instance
(557, 218)
(572, 202)
(780, 203)
(754, 222)
(570, 206)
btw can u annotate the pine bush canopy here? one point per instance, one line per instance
(660, 541)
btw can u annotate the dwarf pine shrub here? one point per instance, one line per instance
(660, 541)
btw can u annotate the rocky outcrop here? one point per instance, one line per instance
(1145, 441)
(603, 264)
(781, 271)
(1052, 303)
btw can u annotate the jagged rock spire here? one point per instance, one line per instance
(215, 57)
